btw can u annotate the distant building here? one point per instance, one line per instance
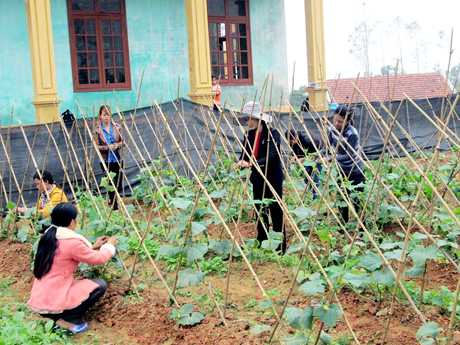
(389, 88)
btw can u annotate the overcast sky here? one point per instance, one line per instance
(421, 49)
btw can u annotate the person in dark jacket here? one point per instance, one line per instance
(109, 142)
(344, 138)
(263, 143)
(301, 146)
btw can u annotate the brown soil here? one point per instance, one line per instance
(121, 319)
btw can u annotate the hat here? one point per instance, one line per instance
(253, 109)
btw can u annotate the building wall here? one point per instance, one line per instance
(269, 56)
(157, 35)
(157, 38)
(16, 85)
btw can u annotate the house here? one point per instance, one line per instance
(389, 88)
(78, 54)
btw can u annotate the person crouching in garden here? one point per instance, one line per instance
(109, 142)
(344, 138)
(301, 146)
(56, 294)
(50, 194)
(263, 143)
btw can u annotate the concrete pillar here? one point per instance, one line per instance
(43, 66)
(199, 52)
(317, 88)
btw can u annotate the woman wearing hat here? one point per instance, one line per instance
(263, 144)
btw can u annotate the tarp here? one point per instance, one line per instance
(194, 130)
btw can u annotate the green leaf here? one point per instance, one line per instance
(389, 245)
(274, 240)
(298, 339)
(302, 213)
(10, 205)
(421, 254)
(198, 228)
(218, 194)
(370, 261)
(385, 277)
(181, 203)
(294, 248)
(298, 318)
(196, 252)
(168, 251)
(415, 271)
(313, 287)
(394, 254)
(222, 247)
(329, 314)
(356, 280)
(418, 236)
(23, 234)
(189, 277)
(429, 330)
(192, 319)
(259, 329)
(325, 338)
(265, 304)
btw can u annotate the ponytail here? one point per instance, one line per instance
(45, 252)
(62, 215)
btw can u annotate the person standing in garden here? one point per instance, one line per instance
(56, 294)
(50, 194)
(109, 142)
(217, 93)
(344, 139)
(262, 144)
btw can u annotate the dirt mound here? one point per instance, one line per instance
(147, 321)
(15, 262)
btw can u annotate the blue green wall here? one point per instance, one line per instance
(16, 86)
(157, 45)
(269, 56)
(157, 35)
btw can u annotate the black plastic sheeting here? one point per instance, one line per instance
(150, 140)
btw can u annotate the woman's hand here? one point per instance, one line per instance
(100, 241)
(243, 164)
(112, 240)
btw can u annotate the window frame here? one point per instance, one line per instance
(98, 16)
(227, 19)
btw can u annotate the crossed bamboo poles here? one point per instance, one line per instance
(185, 158)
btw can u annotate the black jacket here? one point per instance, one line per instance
(269, 161)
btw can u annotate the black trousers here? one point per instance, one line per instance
(115, 168)
(76, 314)
(273, 208)
(355, 178)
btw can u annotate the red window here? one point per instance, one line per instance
(229, 39)
(99, 45)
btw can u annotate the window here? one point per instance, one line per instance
(229, 40)
(99, 45)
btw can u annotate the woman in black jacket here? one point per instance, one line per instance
(263, 144)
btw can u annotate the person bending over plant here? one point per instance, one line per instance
(56, 294)
(50, 194)
(263, 143)
(344, 138)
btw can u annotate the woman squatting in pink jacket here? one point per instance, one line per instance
(56, 294)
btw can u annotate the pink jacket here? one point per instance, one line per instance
(58, 290)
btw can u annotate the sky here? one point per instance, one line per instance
(416, 32)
